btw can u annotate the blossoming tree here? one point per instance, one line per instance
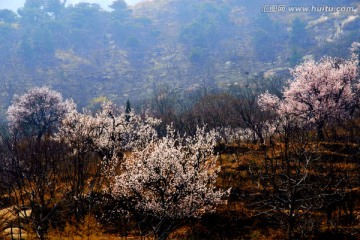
(321, 92)
(109, 133)
(38, 111)
(172, 178)
(33, 164)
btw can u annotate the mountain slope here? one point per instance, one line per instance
(86, 53)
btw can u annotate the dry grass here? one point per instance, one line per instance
(340, 157)
(234, 173)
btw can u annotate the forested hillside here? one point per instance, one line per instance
(130, 53)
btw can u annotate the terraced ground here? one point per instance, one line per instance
(241, 217)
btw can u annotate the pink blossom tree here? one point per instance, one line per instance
(171, 179)
(321, 92)
(38, 111)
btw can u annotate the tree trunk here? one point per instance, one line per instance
(40, 234)
(319, 129)
(290, 229)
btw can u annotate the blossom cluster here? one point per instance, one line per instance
(39, 110)
(110, 133)
(321, 91)
(172, 177)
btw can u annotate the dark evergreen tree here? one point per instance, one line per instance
(127, 110)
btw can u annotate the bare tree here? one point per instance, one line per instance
(34, 177)
(250, 115)
(290, 182)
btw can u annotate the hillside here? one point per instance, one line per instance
(128, 53)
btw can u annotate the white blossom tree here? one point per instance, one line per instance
(110, 133)
(38, 111)
(33, 163)
(321, 92)
(172, 178)
(119, 131)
